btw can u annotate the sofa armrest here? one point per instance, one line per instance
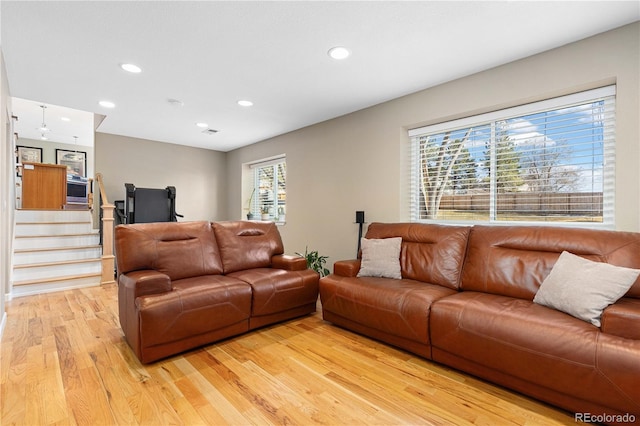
(145, 282)
(288, 263)
(622, 318)
(347, 268)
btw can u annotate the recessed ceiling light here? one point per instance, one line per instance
(245, 103)
(131, 68)
(339, 52)
(107, 104)
(202, 125)
(65, 119)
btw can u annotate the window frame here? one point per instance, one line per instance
(606, 94)
(255, 203)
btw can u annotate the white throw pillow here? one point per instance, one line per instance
(582, 288)
(381, 257)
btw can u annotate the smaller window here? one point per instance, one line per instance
(267, 190)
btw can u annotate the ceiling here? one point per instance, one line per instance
(65, 125)
(210, 54)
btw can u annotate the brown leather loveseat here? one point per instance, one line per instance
(184, 285)
(466, 299)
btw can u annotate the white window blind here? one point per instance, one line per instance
(269, 195)
(550, 161)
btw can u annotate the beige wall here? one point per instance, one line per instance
(49, 151)
(355, 162)
(199, 175)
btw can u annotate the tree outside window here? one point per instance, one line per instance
(550, 165)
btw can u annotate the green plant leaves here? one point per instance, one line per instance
(315, 261)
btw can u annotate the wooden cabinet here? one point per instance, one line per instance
(44, 186)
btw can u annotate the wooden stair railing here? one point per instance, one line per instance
(106, 232)
(90, 194)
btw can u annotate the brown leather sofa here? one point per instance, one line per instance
(184, 285)
(466, 300)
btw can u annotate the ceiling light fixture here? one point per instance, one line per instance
(245, 103)
(65, 119)
(43, 137)
(338, 53)
(44, 127)
(134, 69)
(107, 104)
(202, 125)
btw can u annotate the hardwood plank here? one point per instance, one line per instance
(64, 361)
(35, 404)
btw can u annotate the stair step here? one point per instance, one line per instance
(55, 222)
(52, 228)
(50, 241)
(55, 254)
(56, 248)
(48, 264)
(54, 279)
(47, 285)
(52, 215)
(52, 270)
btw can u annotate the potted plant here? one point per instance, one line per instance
(281, 214)
(265, 212)
(315, 261)
(249, 205)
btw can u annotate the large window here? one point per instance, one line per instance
(268, 200)
(550, 161)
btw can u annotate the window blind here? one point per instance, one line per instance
(551, 161)
(267, 188)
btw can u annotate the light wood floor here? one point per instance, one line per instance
(64, 361)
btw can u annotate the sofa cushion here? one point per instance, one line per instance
(247, 244)
(277, 290)
(534, 349)
(394, 307)
(381, 257)
(196, 306)
(583, 288)
(430, 253)
(467, 322)
(179, 250)
(515, 260)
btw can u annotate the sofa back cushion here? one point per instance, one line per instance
(246, 244)
(515, 260)
(178, 249)
(430, 253)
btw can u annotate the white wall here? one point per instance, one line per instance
(7, 190)
(199, 175)
(355, 162)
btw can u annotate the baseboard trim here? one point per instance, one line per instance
(2, 324)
